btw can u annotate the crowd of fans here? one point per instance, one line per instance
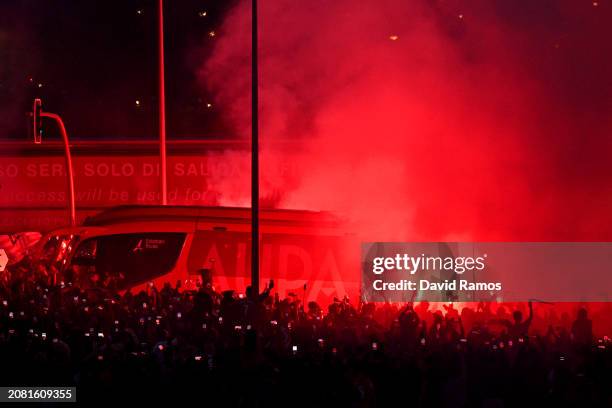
(243, 350)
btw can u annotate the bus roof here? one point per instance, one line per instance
(234, 215)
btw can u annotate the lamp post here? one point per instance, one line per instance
(37, 115)
(162, 108)
(254, 157)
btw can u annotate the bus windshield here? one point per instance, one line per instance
(124, 260)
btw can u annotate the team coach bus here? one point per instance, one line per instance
(306, 253)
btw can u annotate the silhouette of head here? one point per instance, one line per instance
(517, 316)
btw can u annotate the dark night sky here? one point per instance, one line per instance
(94, 59)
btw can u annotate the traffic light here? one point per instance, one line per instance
(37, 121)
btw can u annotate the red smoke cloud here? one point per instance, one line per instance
(422, 122)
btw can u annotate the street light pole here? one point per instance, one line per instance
(37, 115)
(69, 168)
(162, 109)
(254, 157)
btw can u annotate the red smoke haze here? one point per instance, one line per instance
(416, 121)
